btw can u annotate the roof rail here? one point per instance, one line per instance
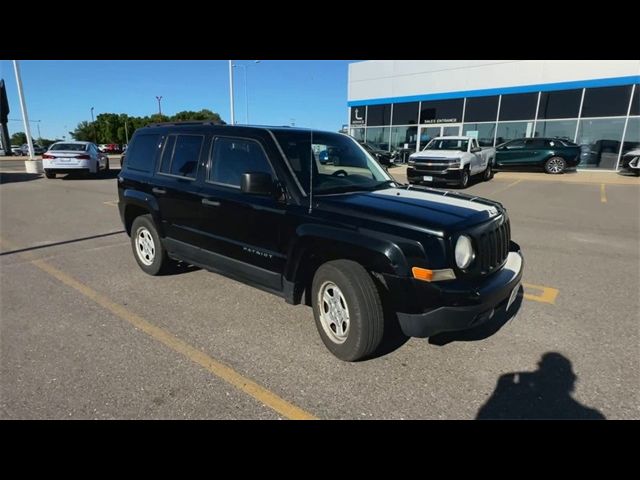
(186, 122)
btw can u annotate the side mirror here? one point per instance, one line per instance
(257, 183)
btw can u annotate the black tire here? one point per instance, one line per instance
(49, 175)
(488, 173)
(555, 165)
(365, 327)
(464, 178)
(160, 261)
(106, 166)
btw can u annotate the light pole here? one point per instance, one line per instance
(23, 107)
(159, 106)
(246, 95)
(233, 114)
(95, 136)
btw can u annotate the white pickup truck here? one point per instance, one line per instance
(451, 160)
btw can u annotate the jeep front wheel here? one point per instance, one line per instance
(347, 309)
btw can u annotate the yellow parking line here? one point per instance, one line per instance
(512, 184)
(547, 295)
(603, 193)
(217, 368)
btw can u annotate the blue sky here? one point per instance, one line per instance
(310, 93)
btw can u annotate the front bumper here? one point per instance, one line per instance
(447, 176)
(463, 309)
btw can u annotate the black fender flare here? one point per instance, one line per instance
(373, 252)
(144, 201)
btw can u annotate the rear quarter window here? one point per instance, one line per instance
(141, 155)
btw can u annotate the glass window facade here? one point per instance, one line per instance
(512, 130)
(441, 111)
(635, 101)
(606, 102)
(378, 115)
(401, 136)
(358, 134)
(486, 132)
(405, 113)
(600, 141)
(481, 109)
(560, 104)
(565, 129)
(593, 117)
(378, 137)
(632, 136)
(521, 106)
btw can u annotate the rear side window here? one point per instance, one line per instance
(232, 157)
(142, 153)
(181, 154)
(535, 143)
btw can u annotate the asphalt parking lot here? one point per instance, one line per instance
(86, 334)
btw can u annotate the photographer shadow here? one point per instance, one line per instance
(542, 394)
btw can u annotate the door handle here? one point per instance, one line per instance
(212, 203)
(159, 191)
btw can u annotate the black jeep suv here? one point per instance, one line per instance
(257, 204)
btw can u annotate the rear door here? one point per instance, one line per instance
(176, 189)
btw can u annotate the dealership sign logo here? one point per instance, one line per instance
(358, 115)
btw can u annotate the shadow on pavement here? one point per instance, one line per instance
(542, 394)
(38, 247)
(112, 173)
(13, 177)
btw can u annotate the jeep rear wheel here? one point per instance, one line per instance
(347, 309)
(147, 248)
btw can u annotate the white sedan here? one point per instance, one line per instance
(68, 157)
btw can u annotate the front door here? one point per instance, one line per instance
(428, 132)
(241, 232)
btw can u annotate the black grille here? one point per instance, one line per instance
(493, 247)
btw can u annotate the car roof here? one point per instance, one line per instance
(273, 128)
(79, 142)
(453, 137)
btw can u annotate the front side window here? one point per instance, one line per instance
(336, 163)
(234, 156)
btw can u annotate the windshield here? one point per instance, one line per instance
(340, 164)
(448, 144)
(71, 147)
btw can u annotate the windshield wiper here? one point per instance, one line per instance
(354, 188)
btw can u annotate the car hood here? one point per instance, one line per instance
(632, 153)
(416, 208)
(437, 154)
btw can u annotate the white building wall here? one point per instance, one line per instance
(399, 78)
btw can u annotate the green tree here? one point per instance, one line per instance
(110, 127)
(18, 138)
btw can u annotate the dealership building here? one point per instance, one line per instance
(401, 104)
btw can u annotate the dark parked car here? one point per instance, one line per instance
(630, 162)
(554, 155)
(385, 157)
(254, 204)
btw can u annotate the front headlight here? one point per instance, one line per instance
(454, 163)
(634, 162)
(464, 252)
(411, 161)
